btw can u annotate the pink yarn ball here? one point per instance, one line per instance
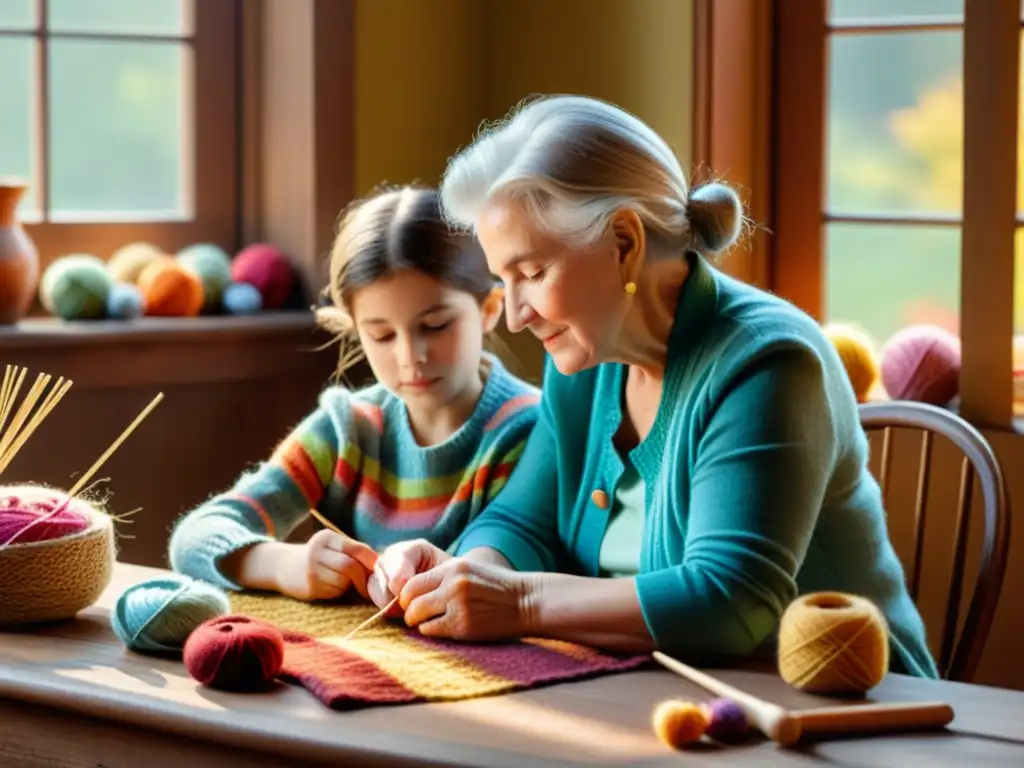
(922, 363)
(31, 514)
(267, 269)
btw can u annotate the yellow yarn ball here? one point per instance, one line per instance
(678, 723)
(859, 355)
(127, 262)
(831, 642)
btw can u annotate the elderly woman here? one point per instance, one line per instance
(698, 462)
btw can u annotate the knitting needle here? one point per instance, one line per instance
(786, 727)
(124, 435)
(328, 524)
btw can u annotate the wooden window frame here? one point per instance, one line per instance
(214, 173)
(730, 59)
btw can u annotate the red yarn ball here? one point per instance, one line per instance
(234, 653)
(922, 363)
(30, 514)
(267, 269)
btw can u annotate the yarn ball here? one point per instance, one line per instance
(124, 302)
(727, 721)
(75, 287)
(235, 653)
(170, 290)
(242, 299)
(157, 616)
(922, 363)
(56, 555)
(831, 642)
(678, 723)
(264, 266)
(34, 513)
(859, 356)
(127, 262)
(212, 265)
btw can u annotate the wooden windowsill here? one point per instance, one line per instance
(157, 352)
(207, 329)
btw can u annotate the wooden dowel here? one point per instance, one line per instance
(875, 718)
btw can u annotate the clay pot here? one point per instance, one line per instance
(19, 259)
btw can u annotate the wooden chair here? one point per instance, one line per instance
(958, 658)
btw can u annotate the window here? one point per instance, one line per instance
(871, 217)
(121, 115)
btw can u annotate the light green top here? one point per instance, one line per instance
(620, 547)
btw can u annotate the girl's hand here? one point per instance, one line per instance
(324, 567)
(468, 600)
(399, 563)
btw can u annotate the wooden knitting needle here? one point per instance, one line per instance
(786, 727)
(328, 524)
(124, 436)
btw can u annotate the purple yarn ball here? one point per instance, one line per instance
(726, 720)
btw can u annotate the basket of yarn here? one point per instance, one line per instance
(56, 554)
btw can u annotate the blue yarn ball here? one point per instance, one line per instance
(124, 302)
(75, 287)
(242, 299)
(212, 265)
(158, 615)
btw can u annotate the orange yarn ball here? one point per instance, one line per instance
(678, 723)
(170, 290)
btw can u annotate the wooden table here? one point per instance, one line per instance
(73, 696)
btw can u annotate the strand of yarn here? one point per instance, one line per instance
(30, 514)
(157, 616)
(830, 642)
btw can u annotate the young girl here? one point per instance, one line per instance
(416, 455)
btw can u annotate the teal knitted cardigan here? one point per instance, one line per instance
(757, 484)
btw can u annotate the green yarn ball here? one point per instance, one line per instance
(213, 266)
(158, 615)
(75, 287)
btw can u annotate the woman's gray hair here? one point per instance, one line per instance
(572, 162)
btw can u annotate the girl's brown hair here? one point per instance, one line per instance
(396, 229)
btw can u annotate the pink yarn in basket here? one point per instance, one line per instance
(31, 514)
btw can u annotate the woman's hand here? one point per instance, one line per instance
(467, 600)
(396, 565)
(324, 567)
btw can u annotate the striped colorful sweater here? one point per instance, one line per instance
(354, 459)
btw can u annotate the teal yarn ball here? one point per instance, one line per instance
(124, 302)
(242, 299)
(75, 287)
(158, 615)
(213, 266)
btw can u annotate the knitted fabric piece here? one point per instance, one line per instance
(389, 663)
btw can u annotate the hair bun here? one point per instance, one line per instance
(716, 216)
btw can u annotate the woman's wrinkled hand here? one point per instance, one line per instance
(467, 600)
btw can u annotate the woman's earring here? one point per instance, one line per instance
(630, 287)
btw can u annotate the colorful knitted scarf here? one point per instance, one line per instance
(389, 663)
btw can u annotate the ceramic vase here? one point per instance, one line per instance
(19, 259)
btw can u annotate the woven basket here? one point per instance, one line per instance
(43, 581)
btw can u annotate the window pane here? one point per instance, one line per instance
(888, 277)
(17, 138)
(895, 123)
(847, 10)
(116, 128)
(140, 17)
(17, 14)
